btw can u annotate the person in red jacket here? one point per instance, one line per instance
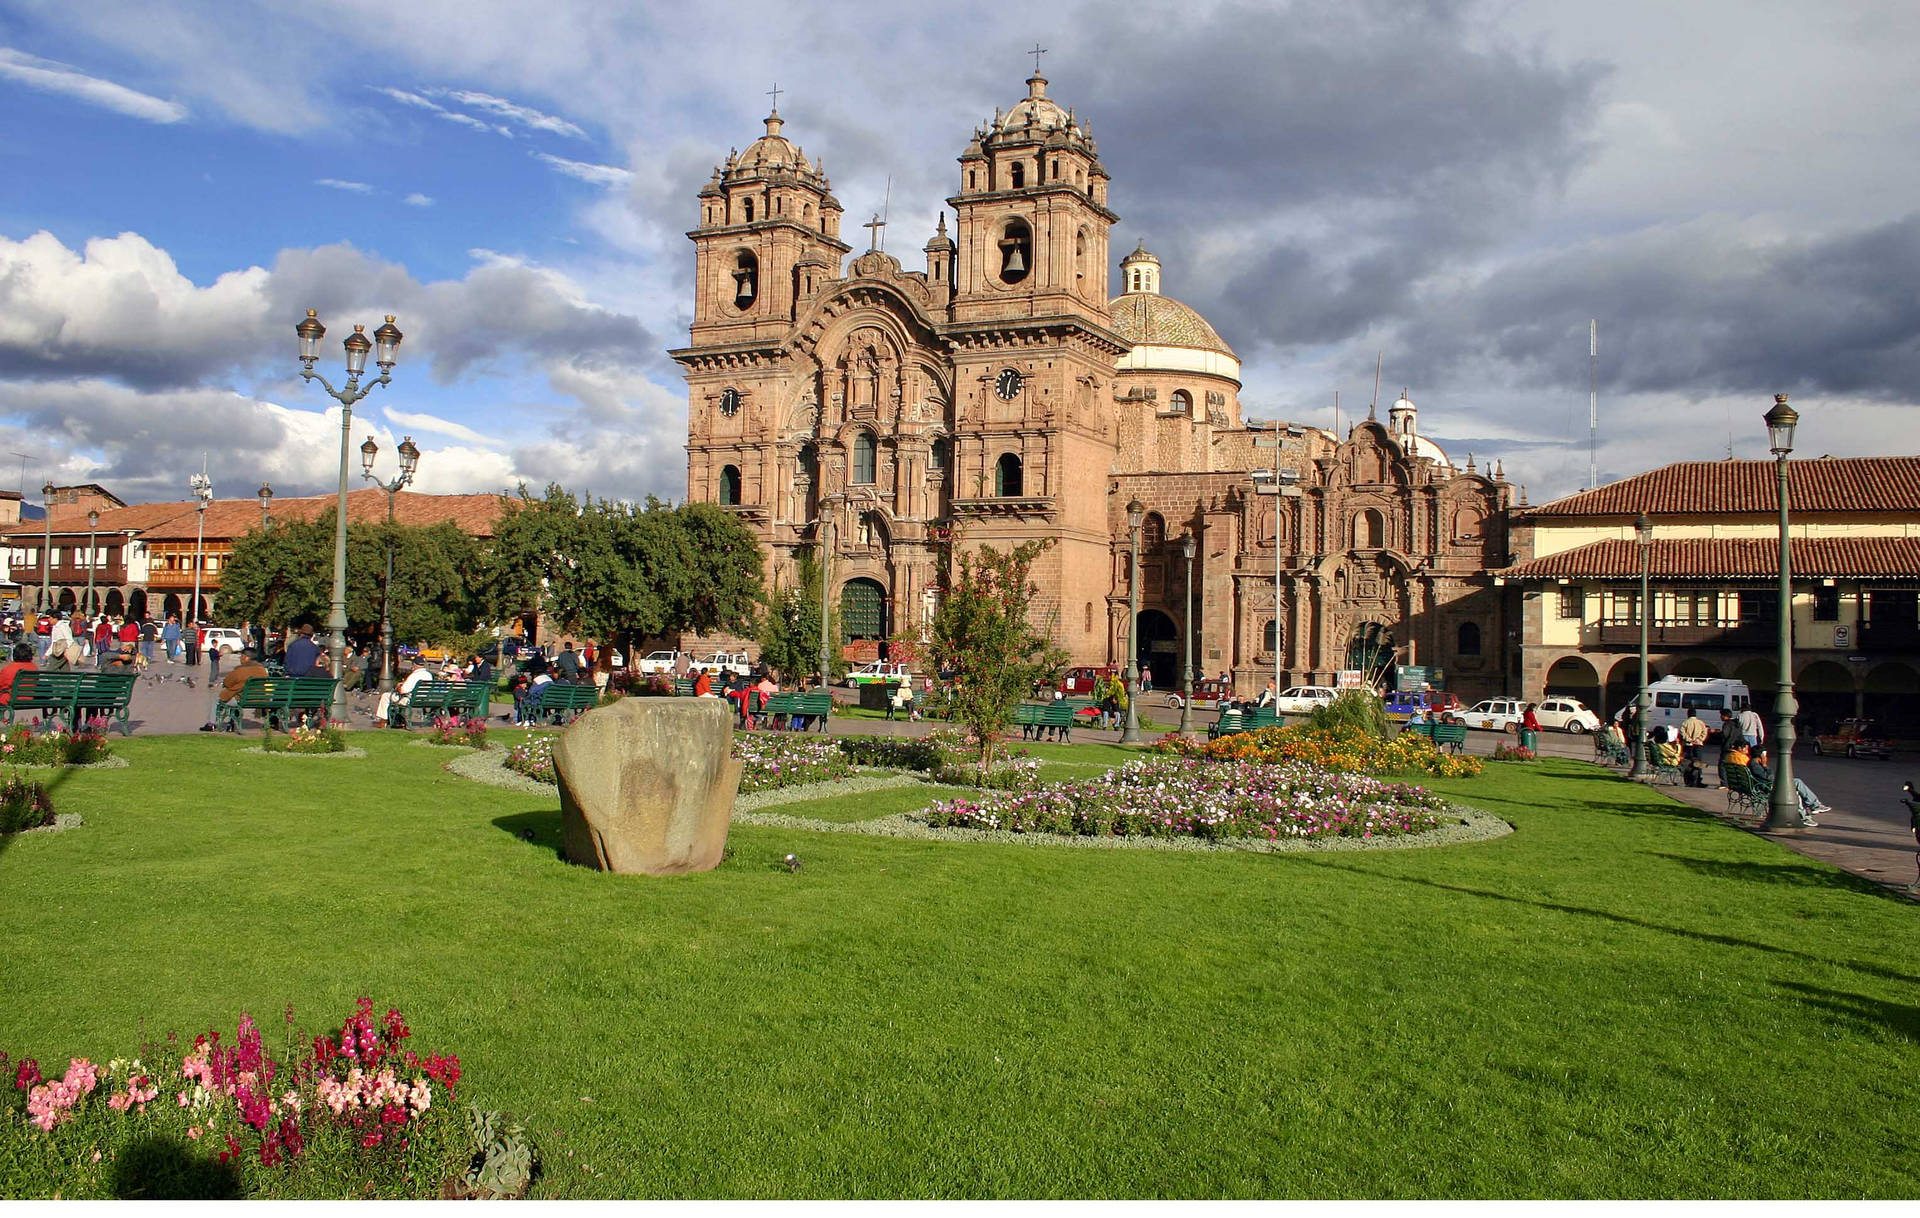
(22, 662)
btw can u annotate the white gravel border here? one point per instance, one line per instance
(110, 762)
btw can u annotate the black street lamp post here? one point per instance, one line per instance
(1783, 806)
(1186, 697)
(1643, 534)
(409, 462)
(1130, 730)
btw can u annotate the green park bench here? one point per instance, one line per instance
(278, 700)
(683, 687)
(1606, 752)
(1443, 735)
(1659, 771)
(1746, 795)
(431, 699)
(1036, 719)
(563, 701)
(788, 707)
(1228, 724)
(75, 696)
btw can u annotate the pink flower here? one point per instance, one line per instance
(193, 1131)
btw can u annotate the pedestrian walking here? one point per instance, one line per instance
(1751, 727)
(192, 636)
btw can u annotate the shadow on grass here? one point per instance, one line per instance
(167, 1169)
(1796, 875)
(53, 785)
(1869, 1014)
(1607, 915)
(540, 828)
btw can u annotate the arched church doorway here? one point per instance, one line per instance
(1371, 650)
(863, 616)
(1160, 648)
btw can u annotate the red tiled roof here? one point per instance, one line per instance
(1827, 484)
(229, 518)
(1731, 558)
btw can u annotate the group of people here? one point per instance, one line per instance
(106, 640)
(1743, 744)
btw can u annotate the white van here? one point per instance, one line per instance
(1670, 698)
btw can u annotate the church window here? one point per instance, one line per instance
(1270, 637)
(1006, 476)
(1016, 251)
(746, 278)
(1056, 169)
(1183, 401)
(973, 179)
(1019, 172)
(1469, 639)
(1080, 254)
(780, 204)
(1153, 531)
(1136, 281)
(863, 457)
(1369, 530)
(729, 485)
(937, 456)
(806, 211)
(749, 206)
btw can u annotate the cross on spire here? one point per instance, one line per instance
(874, 226)
(1037, 52)
(775, 93)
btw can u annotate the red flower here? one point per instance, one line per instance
(28, 1075)
(254, 1109)
(393, 1114)
(289, 1131)
(233, 1148)
(373, 1139)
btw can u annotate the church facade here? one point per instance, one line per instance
(1005, 392)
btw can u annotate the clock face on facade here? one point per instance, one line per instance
(729, 402)
(1008, 385)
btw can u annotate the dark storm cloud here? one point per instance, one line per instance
(1698, 309)
(1342, 152)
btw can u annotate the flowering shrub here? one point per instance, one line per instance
(890, 752)
(640, 684)
(357, 1113)
(1185, 797)
(1005, 775)
(770, 760)
(24, 804)
(24, 746)
(534, 759)
(319, 736)
(1346, 751)
(1514, 752)
(465, 733)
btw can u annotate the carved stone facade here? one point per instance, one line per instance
(1004, 391)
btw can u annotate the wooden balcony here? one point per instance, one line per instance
(1889, 636)
(1625, 632)
(66, 575)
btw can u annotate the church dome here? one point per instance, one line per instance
(772, 151)
(1037, 110)
(1150, 319)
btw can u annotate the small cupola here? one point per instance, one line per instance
(1140, 272)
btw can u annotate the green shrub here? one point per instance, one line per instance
(24, 804)
(1357, 710)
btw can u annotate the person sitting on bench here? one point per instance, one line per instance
(236, 681)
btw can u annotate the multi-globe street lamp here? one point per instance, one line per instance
(203, 492)
(386, 341)
(266, 506)
(409, 462)
(1130, 731)
(1187, 548)
(1783, 806)
(1643, 534)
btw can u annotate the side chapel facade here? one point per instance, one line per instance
(1005, 390)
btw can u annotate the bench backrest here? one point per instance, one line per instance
(288, 691)
(567, 696)
(64, 684)
(1057, 714)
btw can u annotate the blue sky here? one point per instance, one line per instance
(1726, 187)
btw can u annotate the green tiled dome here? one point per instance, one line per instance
(1152, 320)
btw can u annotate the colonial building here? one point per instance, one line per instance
(1714, 575)
(1005, 392)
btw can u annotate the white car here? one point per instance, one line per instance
(229, 638)
(658, 662)
(1303, 699)
(735, 662)
(1568, 715)
(878, 672)
(1496, 715)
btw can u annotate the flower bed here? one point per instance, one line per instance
(24, 804)
(1187, 797)
(533, 758)
(323, 736)
(1345, 751)
(1513, 752)
(891, 752)
(358, 1114)
(453, 731)
(24, 746)
(771, 760)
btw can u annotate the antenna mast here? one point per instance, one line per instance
(1593, 403)
(1377, 361)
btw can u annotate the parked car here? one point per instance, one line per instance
(1568, 715)
(1496, 715)
(736, 662)
(879, 672)
(227, 637)
(1401, 705)
(1853, 738)
(1084, 681)
(1208, 693)
(655, 663)
(1304, 699)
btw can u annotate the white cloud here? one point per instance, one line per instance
(416, 199)
(466, 120)
(51, 77)
(526, 116)
(359, 188)
(439, 426)
(586, 171)
(408, 99)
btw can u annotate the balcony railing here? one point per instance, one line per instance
(67, 575)
(1890, 636)
(1625, 632)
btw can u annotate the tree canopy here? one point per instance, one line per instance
(981, 633)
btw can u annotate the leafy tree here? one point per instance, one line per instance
(533, 547)
(982, 633)
(790, 626)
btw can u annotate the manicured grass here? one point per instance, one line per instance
(1622, 998)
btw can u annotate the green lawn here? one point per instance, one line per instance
(1622, 998)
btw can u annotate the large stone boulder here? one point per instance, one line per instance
(647, 785)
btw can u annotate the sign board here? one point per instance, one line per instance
(1843, 637)
(1412, 678)
(1350, 678)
